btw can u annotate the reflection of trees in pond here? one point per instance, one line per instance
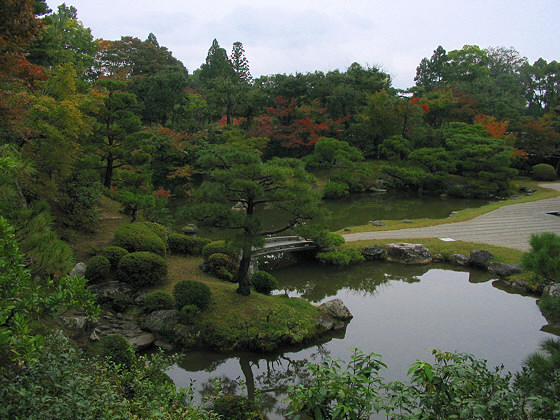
(265, 378)
(315, 282)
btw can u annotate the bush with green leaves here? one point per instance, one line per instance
(116, 348)
(114, 254)
(141, 269)
(236, 407)
(139, 237)
(97, 269)
(221, 247)
(336, 189)
(189, 314)
(544, 172)
(157, 300)
(544, 256)
(180, 244)
(190, 292)
(222, 266)
(158, 229)
(550, 307)
(340, 257)
(264, 282)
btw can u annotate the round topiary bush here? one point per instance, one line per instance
(118, 350)
(189, 292)
(139, 237)
(264, 282)
(114, 254)
(97, 269)
(142, 269)
(222, 266)
(236, 407)
(158, 229)
(218, 247)
(544, 172)
(157, 300)
(180, 244)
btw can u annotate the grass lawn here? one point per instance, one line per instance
(258, 321)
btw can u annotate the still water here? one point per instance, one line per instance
(359, 209)
(400, 312)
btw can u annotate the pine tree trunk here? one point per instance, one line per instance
(242, 277)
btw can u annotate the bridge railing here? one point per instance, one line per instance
(273, 239)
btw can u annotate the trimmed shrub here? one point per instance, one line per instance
(342, 257)
(118, 350)
(97, 269)
(190, 292)
(158, 229)
(218, 247)
(335, 189)
(222, 266)
(180, 244)
(264, 282)
(544, 172)
(189, 314)
(236, 407)
(157, 300)
(139, 237)
(142, 269)
(114, 254)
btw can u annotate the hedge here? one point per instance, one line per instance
(142, 269)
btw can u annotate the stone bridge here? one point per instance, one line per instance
(279, 244)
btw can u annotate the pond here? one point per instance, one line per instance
(359, 209)
(400, 312)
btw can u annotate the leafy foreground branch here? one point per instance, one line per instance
(456, 386)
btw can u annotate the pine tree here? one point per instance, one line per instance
(240, 63)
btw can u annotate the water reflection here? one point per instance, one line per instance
(399, 312)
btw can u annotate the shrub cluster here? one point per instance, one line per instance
(118, 350)
(190, 292)
(222, 266)
(97, 269)
(264, 282)
(180, 244)
(157, 300)
(544, 172)
(142, 269)
(335, 189)
(189, 314)
(342, 257)
(218, 247)
(140, 236)
(236, 407)
(114, 254)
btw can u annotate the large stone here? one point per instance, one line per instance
(481, 258)
(110, 291)
(460, 259)
(162, 322)
(78, 270)
(325, 323)
(142, 341)
(552, 290)
(408, 253)
(502, 269)
(337, 309)
(375, 252)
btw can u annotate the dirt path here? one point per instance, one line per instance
(509, 226)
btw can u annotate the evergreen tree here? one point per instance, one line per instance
(240, 63)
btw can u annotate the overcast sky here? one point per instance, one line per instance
(288, 36)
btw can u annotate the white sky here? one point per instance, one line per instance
(288, 36)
